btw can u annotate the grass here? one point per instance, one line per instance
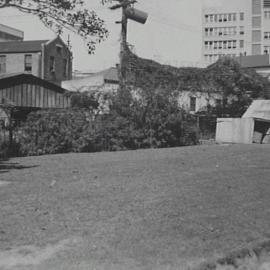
(147, 209)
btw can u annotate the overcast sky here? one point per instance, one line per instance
(172, 33)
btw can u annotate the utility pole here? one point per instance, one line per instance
(127, 13)
(123, 46)
(123, 4)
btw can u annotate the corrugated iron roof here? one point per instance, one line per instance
(259, 109)
(11, 79)
(21, 46)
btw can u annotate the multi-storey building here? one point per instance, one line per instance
(235, 27)
(8, 33)
(50, 60)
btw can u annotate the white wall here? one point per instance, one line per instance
(15, 63)
(202, 99)
(235, 130)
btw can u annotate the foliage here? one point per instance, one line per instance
(84, 100)
(68, 14)
(238, 86)
(53, 131)
(157, 117)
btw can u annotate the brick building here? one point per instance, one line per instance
(50, 60)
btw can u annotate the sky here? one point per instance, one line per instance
(171, 35)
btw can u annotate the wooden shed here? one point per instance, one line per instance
(28, 91)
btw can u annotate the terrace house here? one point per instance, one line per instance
(50, 60)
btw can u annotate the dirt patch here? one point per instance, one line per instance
(32, 255)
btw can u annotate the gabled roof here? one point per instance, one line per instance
(21, 46)
(259, 109)
(12, 79)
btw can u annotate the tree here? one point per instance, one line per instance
(238, 85)
(68, 14)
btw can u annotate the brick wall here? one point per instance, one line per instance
(59, 51)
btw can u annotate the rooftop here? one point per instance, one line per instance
(109, 75)
(21, 46)
(253, 61)
(259, 109)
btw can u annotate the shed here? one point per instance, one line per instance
(252, 127)
(26, 93)
(29, 91)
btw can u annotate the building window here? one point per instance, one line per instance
(242, 31)
(28, 62)
(65, 67)
(192, 105)
(52, 64)
(241, 16)
(241, 44)
(266, 35)
(59, 48)
(3, 60)
(266, 49)
(267, 14)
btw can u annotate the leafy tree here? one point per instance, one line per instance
(239, 86)
(68, 14)
(84, 101)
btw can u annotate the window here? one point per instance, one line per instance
(242, 32)
(266, 49)
(192, 104)
(52, 64)
(220, 18)
(266, 35)
(3, 64)
(241, 16)
(65, 67)
(241, 44)
(220, 44)
(267, 14)
(28, 62)
(59, 48)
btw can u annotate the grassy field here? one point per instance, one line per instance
(150, 209)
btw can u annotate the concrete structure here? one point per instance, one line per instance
(106, 81)
(253, 127)
(234, 27)
(48, 59)
(8, 33)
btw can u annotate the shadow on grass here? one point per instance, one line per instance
(6, 166)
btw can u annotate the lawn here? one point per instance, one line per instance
(159, 209)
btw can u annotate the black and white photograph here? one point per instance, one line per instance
(134, 134)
